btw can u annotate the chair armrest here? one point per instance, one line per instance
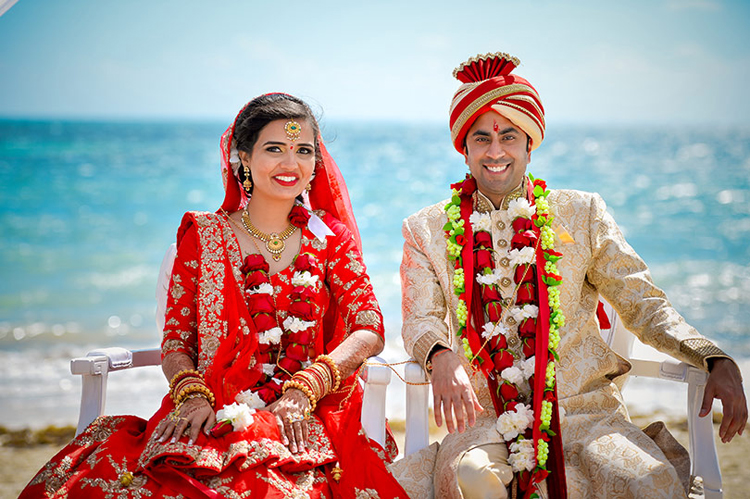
(94, 370)
(377, 377)
(417, 405)
(704, 461)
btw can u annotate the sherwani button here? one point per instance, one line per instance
(505, 261)
(502, 243)
(505, 282)
(500, 224)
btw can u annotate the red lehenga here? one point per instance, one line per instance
(208, 318)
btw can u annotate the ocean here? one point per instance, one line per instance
(87, 210)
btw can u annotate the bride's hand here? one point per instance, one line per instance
(193, 414)
(292, 411)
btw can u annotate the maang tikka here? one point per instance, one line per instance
(293, 130)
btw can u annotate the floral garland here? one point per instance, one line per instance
(508, 357)
(281, 352)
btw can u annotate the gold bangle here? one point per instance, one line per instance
(327, 360)
(180, 374)
(195, 388)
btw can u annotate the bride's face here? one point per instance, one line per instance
(282, 160)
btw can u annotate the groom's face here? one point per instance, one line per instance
(497, 153)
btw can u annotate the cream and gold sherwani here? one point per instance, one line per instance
(605, 454)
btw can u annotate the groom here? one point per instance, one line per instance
(501, 285)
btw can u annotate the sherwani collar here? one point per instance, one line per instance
(482, 203)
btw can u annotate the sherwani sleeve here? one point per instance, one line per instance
(423, 303)
(623, 279)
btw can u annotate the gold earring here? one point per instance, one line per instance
(247, 185)
(308, 187)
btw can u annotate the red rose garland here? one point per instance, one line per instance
(526, 429)
(282, 349)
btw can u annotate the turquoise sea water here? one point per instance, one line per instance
(88, 209)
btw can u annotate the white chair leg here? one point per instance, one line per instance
(93, 371)
(703, 458)
(417, 414)
(377, 378)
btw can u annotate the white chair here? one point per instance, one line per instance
(94, 370)
(704, 461)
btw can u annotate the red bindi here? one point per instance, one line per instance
(291, 148)
(495, 126)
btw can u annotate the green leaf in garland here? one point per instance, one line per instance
(539, 222)
(554, 354)
(459, 231)
(538, 191)
(551, 258)
(456, 200)
(551, 433)
(448, 226)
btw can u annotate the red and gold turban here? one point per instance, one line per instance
(489, 86)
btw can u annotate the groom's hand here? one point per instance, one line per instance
(452, 392)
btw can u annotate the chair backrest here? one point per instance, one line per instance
(617, 337)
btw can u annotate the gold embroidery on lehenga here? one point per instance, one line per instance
(117, 489)
(54, 475)
(366, 493)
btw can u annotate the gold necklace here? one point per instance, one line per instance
(274, 241)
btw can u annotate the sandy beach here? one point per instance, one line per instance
(24, 452)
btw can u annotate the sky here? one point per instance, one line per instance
(593, 62)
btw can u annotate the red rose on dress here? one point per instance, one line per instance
(290, 365)
(301, 337)
(529, 347)
(526, 294)
(523, 239)
(305, 293)
(297, 352)
(263, 358)
(302, 309)
(267, 394)
(264, 349)
(221, 428)
(498, 342)
(254, 262)
(299, 216)
(549, 396)
(524, 273)
(264, 322)
(469, 186)
(510, 406)
(304, 261)
(483, 259)
(495, 311)
(524, 480)
(483, 239)
(490, 294)
(527, 329)
(541, 183)
(502, 360)
(255, 278)
(541, 474)
(521, 224)
(260, 303)
(460, 239)
(508, 391)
